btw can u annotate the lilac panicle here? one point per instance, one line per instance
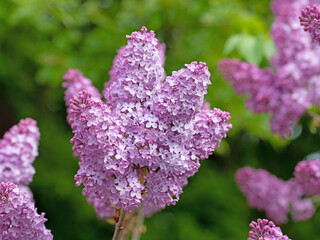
(99, 141)
(265, 192)
(307, 175)
(74, 82)
(142, 144)
(259, 85)
(18, 150)
(302, 208)
(276, 197)
(291, 87)
(209, 126)
(18, 216)
(249, 80)
(310, 20)
(264, 229)
(137, 70)
(181, 95)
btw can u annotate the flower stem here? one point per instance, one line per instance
(137, 230)
(127, 225)
(119, 225)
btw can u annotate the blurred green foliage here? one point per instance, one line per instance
(41, 39)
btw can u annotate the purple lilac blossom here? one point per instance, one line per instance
(291, 88)
(307, 175)
(18, 216)
(301, 208)
(276, 197)
(74, 82)
(18, 150)
(142, 144)
(310, 20)
(264, 229)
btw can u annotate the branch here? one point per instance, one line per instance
(127, 225)
(137, 230)
(119, 225)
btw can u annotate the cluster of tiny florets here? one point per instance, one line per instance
(74, 82)
(18, 216)
(137, 70)
(310, 20)
(264, 229)
(276, 197)
(18, 150)
(141, 145)
(307, 175)
(294, 85)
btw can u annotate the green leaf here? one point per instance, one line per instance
(268, 49)
(247, 48)
(232, 43)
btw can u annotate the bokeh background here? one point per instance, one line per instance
(41, 39)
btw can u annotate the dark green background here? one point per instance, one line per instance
(41, 39)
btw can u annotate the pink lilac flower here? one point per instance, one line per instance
(264, 229)
(74, 82)
(141, 144)
(290, 88)
(276, 197)
(18, 216)
(301, 207)
(18, 150)
(307, 175)
(310, 20)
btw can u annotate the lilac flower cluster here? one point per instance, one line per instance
(310, 20)
(78, 82)
(18, 216)
(141, 145)
(276, 197)
(18, 150)
(294, 85)
(264, 229)
(307, 175)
